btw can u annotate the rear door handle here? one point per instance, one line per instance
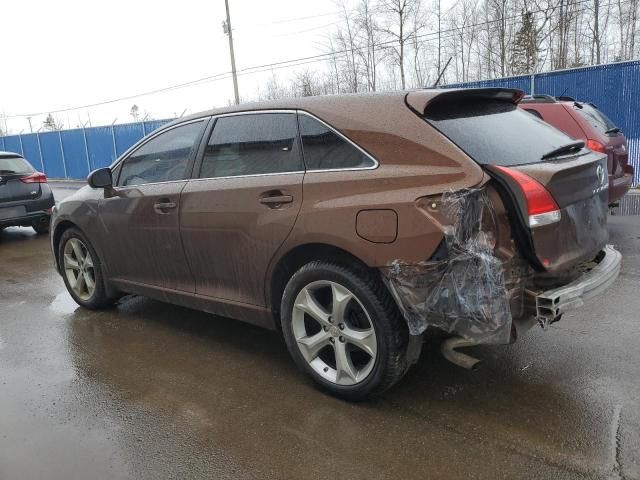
(276, 201)
(164, 207)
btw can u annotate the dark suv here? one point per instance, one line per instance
(25, 198)
(583, 121)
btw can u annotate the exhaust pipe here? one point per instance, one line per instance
(448, 349)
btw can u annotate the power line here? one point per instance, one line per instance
(298, 61)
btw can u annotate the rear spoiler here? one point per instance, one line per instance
(419, 100)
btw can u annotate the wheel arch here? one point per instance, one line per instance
(56, 235)
(295, 258)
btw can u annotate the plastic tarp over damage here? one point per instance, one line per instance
(464, 291)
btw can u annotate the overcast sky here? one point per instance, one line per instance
(65, 53)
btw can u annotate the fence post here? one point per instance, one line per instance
(86, 148)
(40, 151)
(533, 84)
(64, 160)
(21, 146)
(144, 130)
(113, 138)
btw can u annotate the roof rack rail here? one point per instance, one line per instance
(538, 99)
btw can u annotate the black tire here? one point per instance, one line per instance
(390, 328)
(41, 226)
(99, 299)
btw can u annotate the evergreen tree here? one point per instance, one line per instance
(524, 54)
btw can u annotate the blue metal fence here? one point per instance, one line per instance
(614, 88)
(74, 153)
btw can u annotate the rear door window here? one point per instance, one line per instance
(10, 165)
(164, 158)
(495, 132)
(252, 144)
(325, 150)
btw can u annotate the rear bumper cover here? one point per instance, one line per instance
(550, 304)
(618, 187)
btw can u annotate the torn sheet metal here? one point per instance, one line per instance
(464, 292)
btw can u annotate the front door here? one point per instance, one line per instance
(243, 205)
(140, 220)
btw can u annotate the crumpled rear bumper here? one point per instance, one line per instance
(551, 304)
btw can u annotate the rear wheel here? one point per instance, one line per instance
(81, 270)
(343, 329)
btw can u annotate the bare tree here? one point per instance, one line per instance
(398, 29)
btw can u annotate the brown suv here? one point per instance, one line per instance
(351, 224)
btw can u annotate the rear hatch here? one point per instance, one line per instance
(554, 189)
(604, 136)
(14, 184)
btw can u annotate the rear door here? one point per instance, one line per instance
(495, 133)
(140, 220)
(243, 204)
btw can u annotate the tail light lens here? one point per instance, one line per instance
(596, 146)
(35, 177)
(542, 209)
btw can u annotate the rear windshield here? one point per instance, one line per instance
(596, 118)
(495, 132)
(14, 165)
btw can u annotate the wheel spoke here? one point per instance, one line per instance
(77, 249)
(308, 304)
(78, 287)
(310, 346)
(70, 262)
(345, 371)
(363, 339)
(340, 299)
(88, 261)
(91, 284)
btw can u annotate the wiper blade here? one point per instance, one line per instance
(568, 148)
(612, 130)
(8, 172)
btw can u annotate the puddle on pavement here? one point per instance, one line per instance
(63, 303)
(628, 205)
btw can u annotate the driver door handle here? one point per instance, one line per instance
(164, 207)
(276, 200)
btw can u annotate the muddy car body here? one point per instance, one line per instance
(350, 223)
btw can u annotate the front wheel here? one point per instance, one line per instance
(343, 329)
(82, 271)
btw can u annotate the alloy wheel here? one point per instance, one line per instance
(79, 268)
(334, 333)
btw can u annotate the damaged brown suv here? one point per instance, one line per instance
(352, 224)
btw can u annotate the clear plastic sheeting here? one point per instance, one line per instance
(464, 291)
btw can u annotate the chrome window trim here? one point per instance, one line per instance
(140, 185)
(248, 176)
(375, 165)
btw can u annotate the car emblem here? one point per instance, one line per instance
(600, 174)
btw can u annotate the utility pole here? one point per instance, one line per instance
(30, 127)
(226, 28)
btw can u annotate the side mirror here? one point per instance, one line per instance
(100, 178)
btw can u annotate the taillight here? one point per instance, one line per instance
(542, 209)
(35, 177)
(596, 146)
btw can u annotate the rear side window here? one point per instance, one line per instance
(495, 132)
(594, 117)
(14, 165)
(252, 145)
(164, 158)
(323, 149)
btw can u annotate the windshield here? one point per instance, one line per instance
(595, 118)
(14, 165)
(495, 132)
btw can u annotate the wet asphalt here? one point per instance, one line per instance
(150, 390)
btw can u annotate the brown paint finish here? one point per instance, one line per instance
(230, 235)
(377, 226)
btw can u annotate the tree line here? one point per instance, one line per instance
(399, 44)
